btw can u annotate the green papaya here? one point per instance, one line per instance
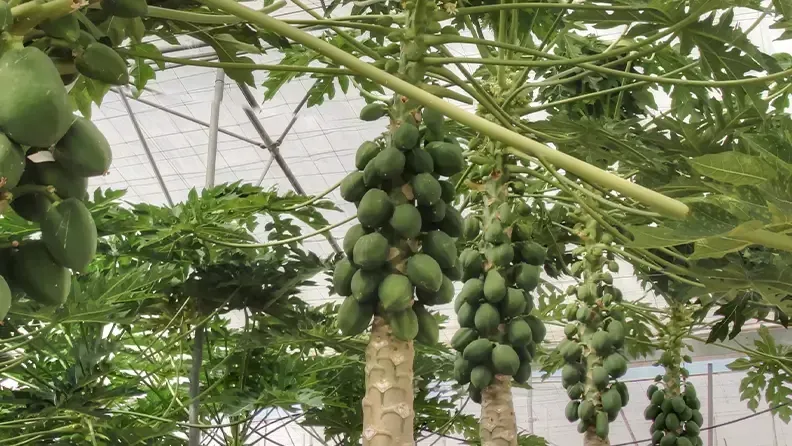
(471, 263)
(623, 392)
(495, 234)
(601, 426)
(404, 324)
(524, 372)
(651, 412)
(364, 285)
(494, 286)
(683, 441)
(406, 221)
(576, 392)
(36, 112)
(418, 161)
(462, 371)
(466, 315)
(365, 153)
(39, 276)
(406, 137)
(611, 401)
(434, 213)
(538, 329)
(451, 223)
(390, 163)
(678, 404)
(354, 317)
(424, 272)
(342, 277)
(428, 328)
(395, 293)
(586, 411)
(514, 304)
(697, 417)
(571, 351)
(5, 298)
(448, 191)
(472, 291)
(435, 123)
(370, 251)
(616, 365)
(571, 411)
(426, 188)
(616, 333)
(669, 439)
(478, 351)
(672, 421)
(31, 207)
(462, 338)
(69, 231)
(600, 377)
(505, 360)
(102, 63)
(658, 396)
(440, 247)
(66, 185)
(353, 188)
(375, 208)
(500, 255)
(532, 253)
(65, 28)
(481, 376)
(600, 342)
(570, 375)
(692, 428)
(486, 319)
(83, 150)
(125, 8)
(440, 297)
(448, 159)
(526, 276)
(351, 237)
(519, 333)
(12, 163)
(471, 228)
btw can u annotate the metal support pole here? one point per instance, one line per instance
(195, 385)
(710, 408)
(214, 121)
(146, 149)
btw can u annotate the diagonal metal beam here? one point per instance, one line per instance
(214, 121)
(274, 150)
(146, 148)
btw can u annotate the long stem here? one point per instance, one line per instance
(351, 40)
(205, 19)
(310, 201)
(663, 204)
(279, 242)
(570, 6)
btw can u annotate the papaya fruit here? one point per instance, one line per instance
(440, 247)
(481, 376)
(672, 421)
(616, 334)
(364, 285)
(514, 304)
(576, 392)
(494, 286)
(538, 329)
(375, 208)
(39, 276)
(390, 163)
(571, 351)
(434, 213)
(66, 185)
(691, 427)
(83, 150)
(686, 414)
(505, 360)
(623, 392)
(669, 439)
(472, 291)
(404, 324)
(616, 365)
(600, 342)
(65, 28)
(697, 417)
(570, 375)
(365, 153)
(571, 411)
(31, 207)
(526, 276)
(448, 189)
(532, 253)
(666, 407)
(462, 370)
(587, 410)
(395, 293)
(478, 351)
(524, 372)
(657, 436)
(69, 231)
(611, 401)
(494, 233)
(12, 163)
(426, 189)
(471, 228)
(466, 315)
(424, 272)
(683, 441)
(435, 123)
(354, 317)
(448, 159)
(102, 63)
(406, 137)
(36, 112)
(5, 298)
(462, 338)
(342, 277)
(351, 237)
(440, 297)
(519, 333)
(370, 251)
(651, 412)
(486, 319)
(678, 404)
(353, 188)
(471, 263)
(600, 377)
(500, 255)
(373, 111)
(125, 8)
(451, 223)
(601, 427)
(371, 175)
(406, 221)
(428, 328)
(419, 161)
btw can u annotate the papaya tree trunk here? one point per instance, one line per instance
(498, 425)
(388, 405)
(591, 439)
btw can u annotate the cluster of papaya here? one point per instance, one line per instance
(36, 119)
(675, 415)
(595, 334)
(498, 334)
(401, 257)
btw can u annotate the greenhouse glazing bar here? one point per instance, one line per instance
(214, 120)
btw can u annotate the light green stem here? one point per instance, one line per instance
(571, 6)
(279, 242)
(204, 19)
(665, 205)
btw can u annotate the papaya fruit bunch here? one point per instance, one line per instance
(498, 335)
(674, 407)
(595, 334)
(401, 257)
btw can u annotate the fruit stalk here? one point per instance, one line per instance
(388, 404)
(498, 426)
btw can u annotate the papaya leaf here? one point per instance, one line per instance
(734, 168)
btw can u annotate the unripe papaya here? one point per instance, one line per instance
(83, 150)
(69, 232)
(100, 62)
(66, 185)
(373, 111)
(424, 272)
(428, 329)
(354, 317)
(365, 153)
(351, 237)
(12, 163)
(5, 298)
(65, 28)
(39, 276)
(481, 376)
(342, 277)
(404, 324)
(395, 293)
(494, 286)
(36, 112)
(440, 247)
